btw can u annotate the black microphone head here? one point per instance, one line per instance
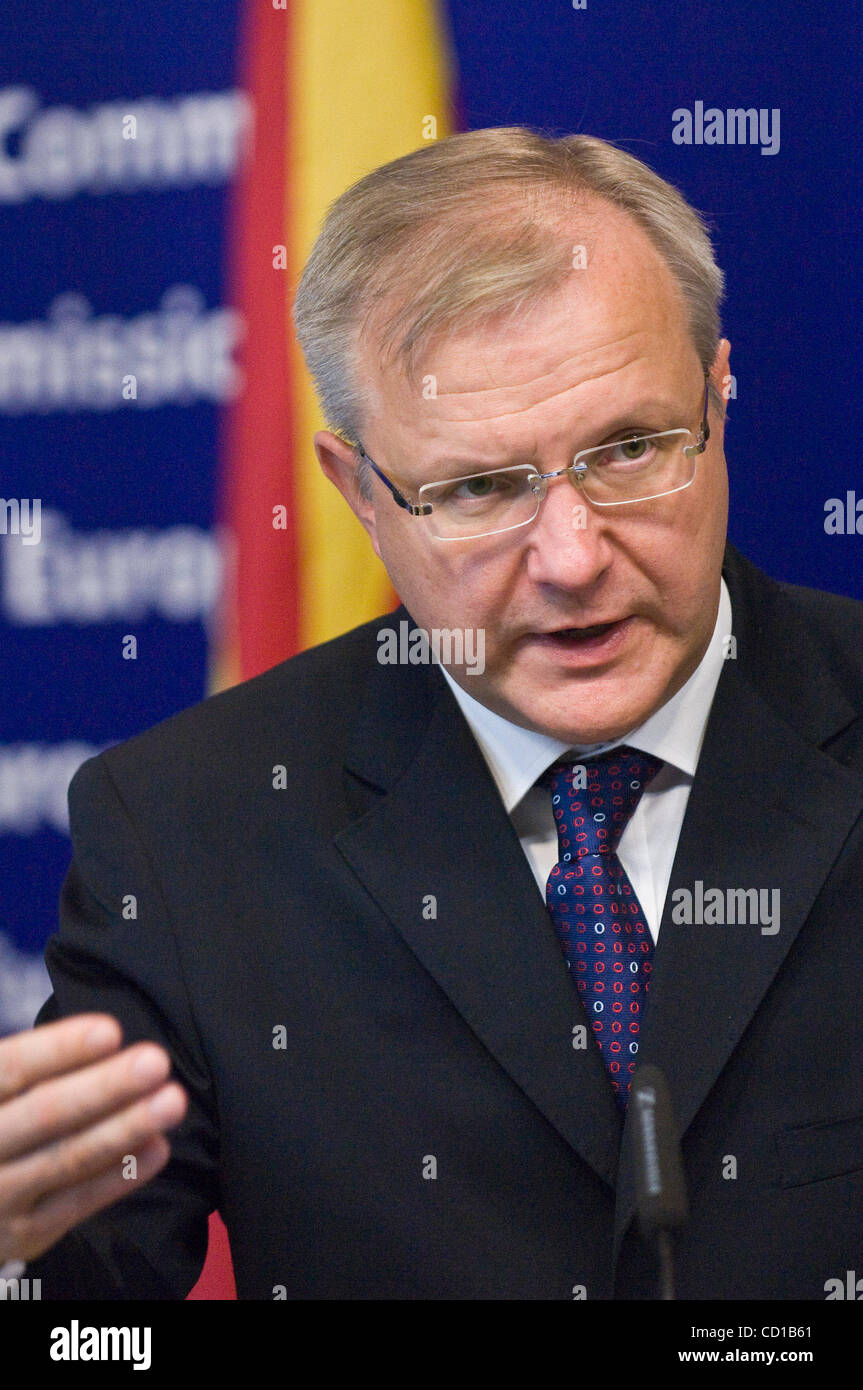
(660, 1184)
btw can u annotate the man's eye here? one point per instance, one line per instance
(639, 449)
(633, 448)
(484, 485)
(476, 487)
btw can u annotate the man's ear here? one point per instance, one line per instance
(720, 371)
(340, 463)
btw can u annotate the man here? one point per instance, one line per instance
(404, 932)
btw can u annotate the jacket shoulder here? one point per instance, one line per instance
(300, 710)
(835, 622)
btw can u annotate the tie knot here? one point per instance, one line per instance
(594, 798)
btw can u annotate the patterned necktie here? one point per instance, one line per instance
(598, 918)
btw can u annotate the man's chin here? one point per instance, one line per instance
(580, 712)
(567, 719)
(584, 734)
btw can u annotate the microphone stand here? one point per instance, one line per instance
(663, 1207)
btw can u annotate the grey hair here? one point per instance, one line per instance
(469, 231)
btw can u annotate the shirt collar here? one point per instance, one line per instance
(674, 733)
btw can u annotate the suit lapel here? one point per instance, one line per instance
(440, 829)
(768, 809)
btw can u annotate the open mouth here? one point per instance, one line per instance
(578, 633)
(595, 637)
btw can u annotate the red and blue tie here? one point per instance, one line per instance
(598, 918)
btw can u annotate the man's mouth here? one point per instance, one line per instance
(578, 632)
(596, 639)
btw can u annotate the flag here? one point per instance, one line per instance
(337, 88)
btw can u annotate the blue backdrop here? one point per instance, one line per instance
(120, 132)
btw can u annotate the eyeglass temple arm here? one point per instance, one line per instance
(704, 433)
(415, 508)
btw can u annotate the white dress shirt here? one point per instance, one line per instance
(674, 733)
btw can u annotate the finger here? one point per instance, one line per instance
(65, 1105)
(30, 1236)
(68, 1162)
(32, 1056)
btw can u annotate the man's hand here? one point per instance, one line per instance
(71, 1114)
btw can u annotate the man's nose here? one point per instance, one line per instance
(568, 543)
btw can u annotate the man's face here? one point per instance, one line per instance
(609, 354)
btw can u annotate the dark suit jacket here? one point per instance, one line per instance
(409, 1039)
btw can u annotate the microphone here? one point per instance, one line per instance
(660, 1185)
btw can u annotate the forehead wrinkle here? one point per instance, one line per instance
(509, 388)
(570, 386)
(533, 405)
